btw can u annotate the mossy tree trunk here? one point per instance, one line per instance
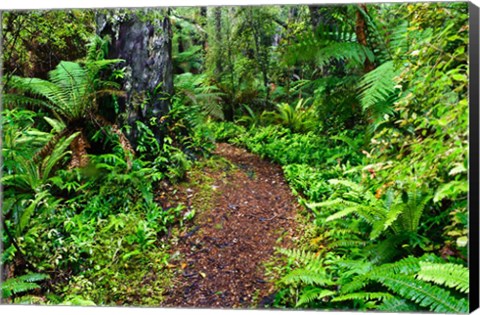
(144, 40)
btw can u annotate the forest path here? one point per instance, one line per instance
(247, 209)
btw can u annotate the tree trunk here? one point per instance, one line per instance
(203, 24)
(361, 32)
(146, 46)
(218, 39)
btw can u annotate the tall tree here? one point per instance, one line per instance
(218, 38)
(144, 40)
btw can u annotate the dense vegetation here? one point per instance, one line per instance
(364, 106)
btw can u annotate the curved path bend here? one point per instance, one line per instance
(222, 256)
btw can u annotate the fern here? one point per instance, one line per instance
(377, 85)
(324, 49)
(434, 298)
(197, 91)
(21, 284)
(396, 304)
(301, 256)
(306, 276)
(450, 275)
(311, 294)
(406, 279)
(366, 296)
(413, 208)
(344, 51)
(329, 203)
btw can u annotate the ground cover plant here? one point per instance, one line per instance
(325, 145)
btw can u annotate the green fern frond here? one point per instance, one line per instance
(341, 214)
(298, 255)
(349, 51)
(398, 41)
(97, 48)
(306, 276)
(434, 298)
(385, 250)
(407, 266)
(396, 304)
(347, 183)
(365, 296)
(20, 100)
(409, 219)
(357, 283)
(378, 84)
(21, 284)
(323, 50)
(450, 275)
(347, 244)
(311, 294)
(329, 203)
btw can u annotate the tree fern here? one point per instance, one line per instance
(323, 49)
(71, 93)
(344, 51)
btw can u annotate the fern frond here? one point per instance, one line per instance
(330, 203)
(384, 251)
(311, 294)
(300, 256)
(20, 100)
(349, 51)
(365, 296)
(378, 84)
(305, 276)
(396, 304)
(346, 183)
(58, 153)
(21, 284)
(426, 295)
(357, 283)
(398, 44)
(323, 49)
(341, 214)
(413, 208)
(347, 244)
(450, 275)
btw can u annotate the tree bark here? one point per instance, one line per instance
(361, 32)
(146, 46)
(218, 39)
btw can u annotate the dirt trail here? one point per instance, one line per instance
(222, 255)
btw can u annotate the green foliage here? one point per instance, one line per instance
(35, 41)
(378, 90)
(71, 90)
(21, 284)
(297, 118)
(404, 279)
(194, 89)
(450, 275)
(378, 159)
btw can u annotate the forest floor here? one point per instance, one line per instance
(244, 210)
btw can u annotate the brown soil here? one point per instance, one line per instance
(250, 212)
